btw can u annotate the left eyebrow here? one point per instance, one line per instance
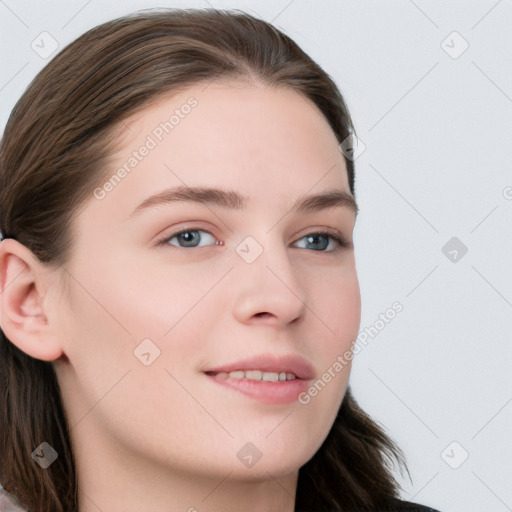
(232, 200)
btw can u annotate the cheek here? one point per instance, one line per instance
(343, 301)
(109, 312)
(336, 301)
(154, 297)
(140, 300)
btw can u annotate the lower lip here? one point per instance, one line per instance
(273, 393)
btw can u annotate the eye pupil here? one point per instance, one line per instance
(188, 236)
(311, 240)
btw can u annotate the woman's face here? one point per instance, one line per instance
(151, 320)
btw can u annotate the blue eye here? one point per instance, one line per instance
(327, 237)
(189, 237)
(322, 240)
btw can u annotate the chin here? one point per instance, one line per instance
(276, 465)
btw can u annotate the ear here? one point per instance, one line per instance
(24, 302)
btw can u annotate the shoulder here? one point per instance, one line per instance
(408, 506)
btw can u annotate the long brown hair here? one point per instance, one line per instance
(54, 153)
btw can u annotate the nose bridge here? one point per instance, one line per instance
(267, 280)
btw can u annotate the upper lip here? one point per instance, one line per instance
(300, 367)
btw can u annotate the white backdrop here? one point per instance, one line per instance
(429, 85)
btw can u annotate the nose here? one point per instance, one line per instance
(268, 289)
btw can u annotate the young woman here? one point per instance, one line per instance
(179, 296)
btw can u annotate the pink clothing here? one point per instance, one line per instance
(9, 503)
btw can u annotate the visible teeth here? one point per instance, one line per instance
(257, 375)
(253, 374)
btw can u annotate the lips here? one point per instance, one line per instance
(261, 378)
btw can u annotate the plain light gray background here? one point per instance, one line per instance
(435, 120)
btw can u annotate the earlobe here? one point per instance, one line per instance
(23, 284)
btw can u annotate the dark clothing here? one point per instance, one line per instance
(407, 506)
(398, 506)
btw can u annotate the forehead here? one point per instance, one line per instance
(234, 120)
(234, 112)
(263, 141)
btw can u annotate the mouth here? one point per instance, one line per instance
(268, 379)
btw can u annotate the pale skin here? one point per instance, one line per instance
(163, 436)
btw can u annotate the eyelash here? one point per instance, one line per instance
(341, 243)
